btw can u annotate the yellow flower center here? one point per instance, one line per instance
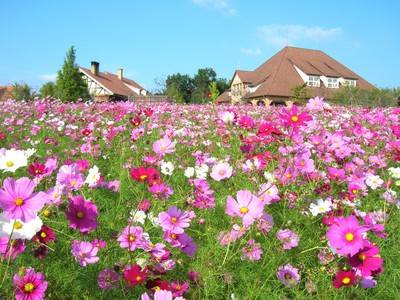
(362, 257)
(143, 177)
(19, 201)
(244, 210)
(346, 280)
(80, 215)
(29, 287)
(46, 213)
(294, 118)
(18, 225)
(173, 220)
(349, 236)
(289, 175)
(73, 182)
(43, 234)
(9, 164)
(138, 278)
(132, 238)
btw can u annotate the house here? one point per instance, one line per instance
(107, 86)
(273, 81)
(5, 92)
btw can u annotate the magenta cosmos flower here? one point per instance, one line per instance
(18, 200)
(131, 237)
(368, 260)
(30, 286)
(82, 214)
(84, 253)
(164, 146)
(175, 220)
(345, 235)
(294, 118)
(107, 279)
(248, 207)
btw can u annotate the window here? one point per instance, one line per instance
(350, 82)
(333, 83)
(313, 81)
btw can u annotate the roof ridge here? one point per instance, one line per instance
(278, 67)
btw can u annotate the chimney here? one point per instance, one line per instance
(95, 67)
(120, 73)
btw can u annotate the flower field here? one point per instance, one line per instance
(125, 201)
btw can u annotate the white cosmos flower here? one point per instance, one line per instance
(93, 176)
(18, 229)
(12, 159)
(394, 172)
(153, 219)
(167, 168)
(322, 206)
(373, 181)
(189, 172)
(138, 216)
(269, 177)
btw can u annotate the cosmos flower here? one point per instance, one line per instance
(17, 229)
(18, 200)
(131, 238)
(247, 207)
(289, 238)
(346, 235)
(44, 235)
(164, 146)
(142, 174)
(344, 278)
(30, 285)
(373, 181)
(93, 176)
(320, 207)
(288, 275)
(167, 168)
(12, 159)
(252, 251)
(107, 279)
(175, 220)
(221, 171)
(84, 252)
(293, 118)
(135, 275)
(368, 260)
(82, 214)
(70, 177)
(10, 249)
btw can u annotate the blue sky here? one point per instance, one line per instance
(151, 39)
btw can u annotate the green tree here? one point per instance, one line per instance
(214, 92)
(373, 98)
(181, 85)
(174, 93)
(300, 93)
(222, 84)
(70, 84)
(201, 81)
(22, 91)
(48, 90)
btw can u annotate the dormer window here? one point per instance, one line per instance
(333, 83)
(313, 81)
(350, 82)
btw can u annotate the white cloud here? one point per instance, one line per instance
(223, 6)
(48, 77)
(251, 51)
(282, 35)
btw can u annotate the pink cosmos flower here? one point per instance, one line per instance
(131, 237)
(18, 201)
(252, 251)
(84, 253)
(288, 275)
(82, 214)
(175, 220)
(70, 177)
(221, 171)
(345, 235)
(107, 279)
(11, 249)
(164, 146)
(289, 238)
(248, 207)
(30, 286)
(294, 118)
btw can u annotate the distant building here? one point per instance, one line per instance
(107, 86)
(5, 92)
(273, 81)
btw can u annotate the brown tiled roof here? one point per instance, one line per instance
(223, 98)
(278, 76)
(112, 83)
(5, 92)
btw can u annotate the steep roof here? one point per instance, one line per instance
(112, 83)
(277, 76)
